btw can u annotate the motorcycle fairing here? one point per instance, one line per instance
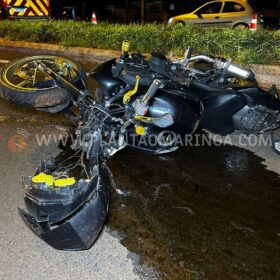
(219, 110)
(103, 75)
(226, 111)
(78, 229)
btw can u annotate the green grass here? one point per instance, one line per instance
(243, 46)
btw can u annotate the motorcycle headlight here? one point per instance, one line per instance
(170, 20)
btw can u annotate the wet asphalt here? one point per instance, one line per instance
(198, 213)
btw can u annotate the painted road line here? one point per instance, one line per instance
(3, 61)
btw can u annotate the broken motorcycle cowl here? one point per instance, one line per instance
(66, 212)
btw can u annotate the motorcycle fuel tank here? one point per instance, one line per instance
(185, 110)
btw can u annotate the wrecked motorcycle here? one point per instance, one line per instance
(139, 98)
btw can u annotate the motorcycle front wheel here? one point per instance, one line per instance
(25, 83)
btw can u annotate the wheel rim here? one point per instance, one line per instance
(25, 74)
(240, 26)
(180, 23)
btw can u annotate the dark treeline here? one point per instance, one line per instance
(134, 10)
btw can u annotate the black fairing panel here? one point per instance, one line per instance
(184, 111)
(103, 75)
(260, 97)
(79, 230)
(222, 105)
(218, 111)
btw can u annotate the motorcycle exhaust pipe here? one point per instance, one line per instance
(227, 66)
(235, 70)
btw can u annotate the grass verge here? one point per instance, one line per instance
(243, 46)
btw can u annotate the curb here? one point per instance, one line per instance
(266, 75)
(87, 54)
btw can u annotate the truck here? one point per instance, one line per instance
(25, 9)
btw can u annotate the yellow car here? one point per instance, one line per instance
(226, 13)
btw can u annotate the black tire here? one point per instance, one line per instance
(47, 96)
(241, 26)
(180, 23)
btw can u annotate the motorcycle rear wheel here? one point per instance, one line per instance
(23, 83)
